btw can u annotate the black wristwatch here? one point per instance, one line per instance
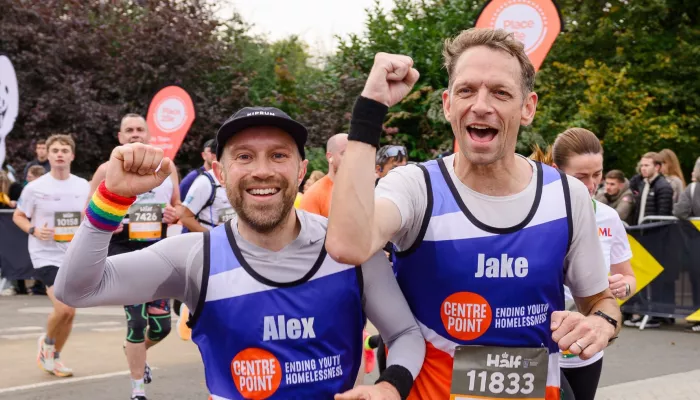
(612, 321)
(31, 231)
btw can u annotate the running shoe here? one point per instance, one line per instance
(147, 375)
(183, 330)
(44, 356)
(61, 370)
(138, 398)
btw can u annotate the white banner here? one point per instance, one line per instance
(9, 102)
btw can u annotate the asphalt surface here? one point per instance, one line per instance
(94, 351)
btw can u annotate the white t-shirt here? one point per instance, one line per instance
(586, 272)
(55, 204)
(219, 212)
(616, 249)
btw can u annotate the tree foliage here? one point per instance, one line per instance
(627, 70)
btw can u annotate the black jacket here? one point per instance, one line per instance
(659, 199)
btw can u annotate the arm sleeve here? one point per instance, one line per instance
(406, 188)
(26, 201)
(586, 272)
(620, 250)
(386, 307)
(87, 277)
(682, 209)
(198, 194)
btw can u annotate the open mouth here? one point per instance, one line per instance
(481, 133)
(263, 192)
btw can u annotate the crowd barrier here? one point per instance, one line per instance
(14, 256)
(665, 258)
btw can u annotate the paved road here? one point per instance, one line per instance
(94, 350)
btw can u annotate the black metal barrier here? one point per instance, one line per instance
(15, 263)
(666, 261)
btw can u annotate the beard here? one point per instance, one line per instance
(262, 218)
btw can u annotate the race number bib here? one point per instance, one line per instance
(65, 225)
(226, 215)
(499, 373)
(145, 222)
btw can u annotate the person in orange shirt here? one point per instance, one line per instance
(317, 198)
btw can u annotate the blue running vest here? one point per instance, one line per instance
(261, 339)
(471, 284)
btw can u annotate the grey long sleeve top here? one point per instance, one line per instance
(172, 268)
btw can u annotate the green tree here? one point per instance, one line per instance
(626, 70)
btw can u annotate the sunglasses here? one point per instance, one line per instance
(394, 151)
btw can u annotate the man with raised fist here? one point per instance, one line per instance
(274, 316)
(485, 238)
(145, 223)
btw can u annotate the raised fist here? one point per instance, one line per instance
(392, 77)
(133, 169)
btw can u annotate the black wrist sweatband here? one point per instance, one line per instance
(367, 119)
(399, 377)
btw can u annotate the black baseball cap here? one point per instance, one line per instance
(261, 116)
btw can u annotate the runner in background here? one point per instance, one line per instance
(485, 239)
(49, 210)
(208, 156)
(275, 316)
(205, 207)
(578, 153)
(145, 224)
(317, 199)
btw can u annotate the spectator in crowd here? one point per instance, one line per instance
(313, 178)
(317, 199)
(208, 158)
(688, 206)
(9, 191)
(11, 173)
(636, 183)
(35, 171)
(671, 169)
(656, 195)
(617, 194)
(41, 158)
(655, 198)
(388, 158)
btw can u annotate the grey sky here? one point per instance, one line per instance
(315, 21)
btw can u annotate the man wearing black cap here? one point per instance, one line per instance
(274, 316)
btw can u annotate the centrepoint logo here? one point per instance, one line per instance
(170, 114)
(525, 19)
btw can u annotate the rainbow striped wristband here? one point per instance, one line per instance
(106, 209)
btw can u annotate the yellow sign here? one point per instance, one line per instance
(644, 265)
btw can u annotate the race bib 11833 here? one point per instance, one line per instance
(499, 373)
